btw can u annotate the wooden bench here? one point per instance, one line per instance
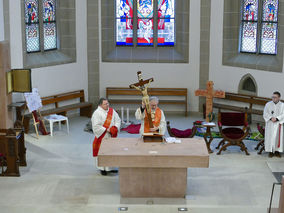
(54, 100)
(250, 103)
(111, 92)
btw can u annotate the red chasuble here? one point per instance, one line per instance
(156, 122)
(113, 131)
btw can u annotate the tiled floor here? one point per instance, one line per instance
(61, 177)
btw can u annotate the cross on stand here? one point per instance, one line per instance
(209, 93)
(142, 86)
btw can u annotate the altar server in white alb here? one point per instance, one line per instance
(106, 123)
(158, 118)
(274, 117)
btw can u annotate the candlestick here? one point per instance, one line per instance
(122, 114)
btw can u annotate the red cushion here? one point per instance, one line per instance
(132, 128)
(233, 133)
(181, 133)
(1, 155)
(233, 119)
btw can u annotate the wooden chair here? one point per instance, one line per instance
(188, 133)
(233, 135)
(260, 145)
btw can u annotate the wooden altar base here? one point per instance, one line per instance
(153, 138)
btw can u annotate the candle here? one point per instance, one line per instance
(122, 114)
(127, 115)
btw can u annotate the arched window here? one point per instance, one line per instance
(259, 23)
(41, 32)
(145, 22)
(248, 85)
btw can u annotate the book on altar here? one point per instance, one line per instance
(150, 134)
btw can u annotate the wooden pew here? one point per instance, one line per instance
(54, 100)
(129, 96)
(250, 102)
(13, 150)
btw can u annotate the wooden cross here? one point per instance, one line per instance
(209, 93)
(142, 86)
(141, 82)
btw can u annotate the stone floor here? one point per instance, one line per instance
(61, 177)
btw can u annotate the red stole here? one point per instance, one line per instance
(97, 141)
(279, 139)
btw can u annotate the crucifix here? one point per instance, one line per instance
(210, 93)
(142, 86)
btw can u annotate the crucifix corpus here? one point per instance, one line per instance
(142, 86)
(210, 93)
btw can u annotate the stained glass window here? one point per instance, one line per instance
(32, 25)
(268, 39)
(166, 22)
(124, 22)
(145, 23)
(144, 9)
(145, 32)
(249, 26)
(49, 24)
(268, 23)
(37, 24)
(249, 37)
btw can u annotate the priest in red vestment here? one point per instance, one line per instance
(105, 124)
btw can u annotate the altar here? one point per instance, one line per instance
(153, 169)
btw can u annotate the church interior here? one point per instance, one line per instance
(202, 80)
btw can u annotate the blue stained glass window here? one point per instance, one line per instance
(50, 40)
(268, 38)
(268, 23)
(124, 32)
(49, 24)
(145, 22)
(31, 11)
(249, 26)
(145, 32)
(166, 22)
(49, 8)
(124, 9)
(249, 37)
(166, 32)
(166, 8)
(124, 22)
(145, 8)
(32, 26)
(32, 38)
(250, 10)
(270, 10)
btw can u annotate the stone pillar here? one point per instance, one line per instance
(6, 120)
(205, 12)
